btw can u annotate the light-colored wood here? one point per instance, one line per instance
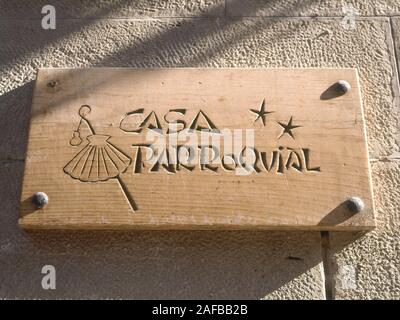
(96, 183)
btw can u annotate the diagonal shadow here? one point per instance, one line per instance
(161, 264)
(137, 56)
(80, 14)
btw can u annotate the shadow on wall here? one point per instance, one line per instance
(15, 109)
(149, 51)
(176, 264)
(141, 264)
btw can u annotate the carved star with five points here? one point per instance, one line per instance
(261, 113)
(287, 128)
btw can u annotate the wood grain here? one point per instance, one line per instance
(316, 136)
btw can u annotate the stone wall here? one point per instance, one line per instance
(203, 33)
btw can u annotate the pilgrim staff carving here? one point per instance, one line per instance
(99, 159)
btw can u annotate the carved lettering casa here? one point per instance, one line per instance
(174, 116)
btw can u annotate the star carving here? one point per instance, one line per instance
(261, 112)
(288, 127)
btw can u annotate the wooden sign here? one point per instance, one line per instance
(197, 149)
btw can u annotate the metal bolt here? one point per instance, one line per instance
(355, 204)
(40, 200)
(343, 86)
(52, 83)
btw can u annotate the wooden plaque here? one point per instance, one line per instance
(117, 148)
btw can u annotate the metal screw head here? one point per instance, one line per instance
(343, 86)
(355, 204)
(52, 83)
(40, 200)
